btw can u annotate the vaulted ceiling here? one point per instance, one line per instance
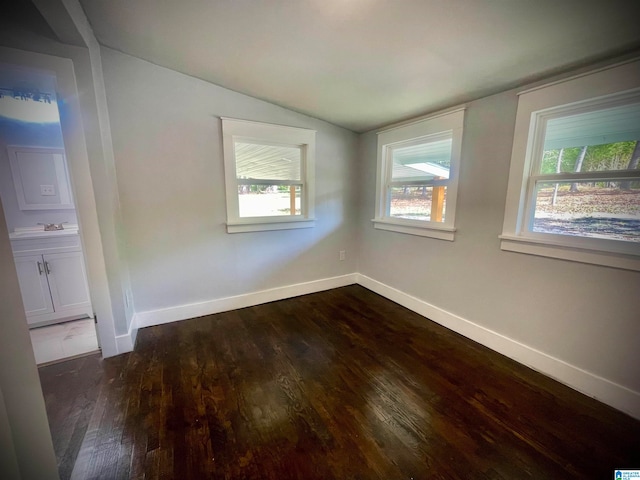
(361, 64)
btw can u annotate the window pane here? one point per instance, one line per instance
(424, 161)
(607, 125)
(589, 209)
(600, 140)
(592, 158)
(268, 200)
(418, 203)
(267, 162)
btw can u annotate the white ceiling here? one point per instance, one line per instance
(365, 63)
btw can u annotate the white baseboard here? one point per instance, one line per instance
(126, 342)
(606, 391)
(209, 307)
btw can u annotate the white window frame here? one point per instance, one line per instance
(451, 121)
(600, 89)
(268, 134)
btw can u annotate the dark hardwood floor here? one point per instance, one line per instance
(70, 390)
(342, 384)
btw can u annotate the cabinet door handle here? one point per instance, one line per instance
(46, 267)
(39, 268)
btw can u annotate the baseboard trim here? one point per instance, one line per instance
(209, 307)
(590, 384)
(126, 342)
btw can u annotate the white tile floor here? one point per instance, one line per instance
(63, 340)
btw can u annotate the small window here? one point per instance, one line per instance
(579, 193)
(418, 176)
(269, 176)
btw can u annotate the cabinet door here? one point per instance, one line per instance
(67, 281)
(33, 285)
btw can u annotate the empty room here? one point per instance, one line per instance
(305, 239)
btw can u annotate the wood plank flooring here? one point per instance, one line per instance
(342, 384)
(70, 390)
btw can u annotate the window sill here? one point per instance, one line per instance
(415, 227)
(565, 251)
(269, 224)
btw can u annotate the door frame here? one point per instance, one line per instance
(81, 184)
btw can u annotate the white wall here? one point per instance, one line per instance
(168, 150)
(22, 411)
(8, 458)
(585, 315)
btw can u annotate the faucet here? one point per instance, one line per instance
(52, 227)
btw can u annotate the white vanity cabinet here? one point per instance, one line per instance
(34, 285)
(52, 278)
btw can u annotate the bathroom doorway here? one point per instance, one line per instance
(39, 209)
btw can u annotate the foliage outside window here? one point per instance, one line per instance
(579, 195)
(418, 176)
(269, 176)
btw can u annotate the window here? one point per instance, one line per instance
(418, 176)
(269, 171)
(574, 185)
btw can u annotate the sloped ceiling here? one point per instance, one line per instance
(361, 64)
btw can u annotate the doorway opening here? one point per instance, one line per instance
(38, 202)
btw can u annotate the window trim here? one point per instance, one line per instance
(268, 134)
(408, 133)
(603, 88)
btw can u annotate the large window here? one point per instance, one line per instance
(418, 176)
(574, 188)
(269, 176)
